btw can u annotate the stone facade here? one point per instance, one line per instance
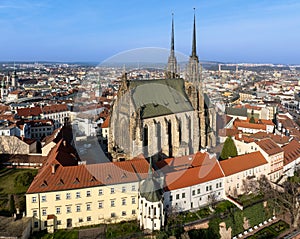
(164, 117)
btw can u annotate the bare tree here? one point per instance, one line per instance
(286, 197)
(249, 185)
(10, 145)
(212, 199)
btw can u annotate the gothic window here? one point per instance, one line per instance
(180, 132)
(145, 140)
(190, 91)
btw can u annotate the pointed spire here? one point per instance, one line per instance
(194, 52)
(172, 37)
(172, 62)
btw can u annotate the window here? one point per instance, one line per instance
(57, 197)
(112, 203)
(210, 187)
(58, 210)
(58, 222)
(88, 207)
(44, 212)
(77, 194)
(112, 214)
(34, 213)
(44, 199)
(36, 224)
(198, 190)
(123, 201)
(78, 208)
(133, 188)
(100, 204)
(171, 197)
(45, 223)
(112, 190)
(68, 209)
(123, 213)
(68, 195)
(133, 212)
(33, 199)
(133, 200)
(88, 193)
(100, 192)
(237, 186)
(89, 218)
(207, 188)
(80, 219)
(217, 185)
(193, 192)
(177, 196)
(123, 189)
(183, 195)
(220, 184)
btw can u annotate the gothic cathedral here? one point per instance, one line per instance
(163, 118)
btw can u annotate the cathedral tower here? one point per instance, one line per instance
(172, 62)
(193, 66)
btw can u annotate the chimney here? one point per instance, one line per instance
(53, 168)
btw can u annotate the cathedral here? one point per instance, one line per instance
(163, 118)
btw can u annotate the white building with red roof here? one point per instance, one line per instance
(291, 158)
(191, 181)
(67, 194)
(241, 169)
(274, 155)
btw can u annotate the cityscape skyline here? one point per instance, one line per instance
(227, 31)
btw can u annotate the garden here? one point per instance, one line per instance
(272, 231)
(13, 186)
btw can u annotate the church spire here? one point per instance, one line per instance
(172, 62)
(172, 37)
(194, 51)
(193, 66)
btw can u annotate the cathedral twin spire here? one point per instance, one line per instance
(192, 70)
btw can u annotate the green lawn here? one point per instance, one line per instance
(7, 182)
(235, 219)
(59, 234)
(8, 187)
(122, 229)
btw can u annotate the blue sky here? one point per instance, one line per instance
(78, 30)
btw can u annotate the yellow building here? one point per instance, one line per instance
(65, 194)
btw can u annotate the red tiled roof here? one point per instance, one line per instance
(245, 124)
(179, 163)
(208, 171)
(245, 138)
(269, 146)
(106, 123)
(69, 175)
(291, 151)
(120, 172)
(241, 163)
(33, 111)
(279, 139)
(229, 132)
(54, 108)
